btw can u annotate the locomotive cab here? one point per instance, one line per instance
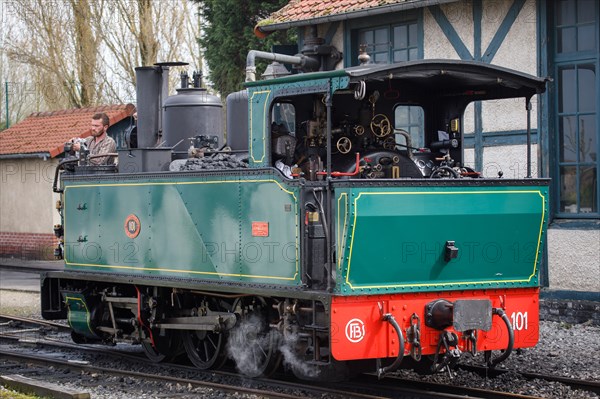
(403, 122)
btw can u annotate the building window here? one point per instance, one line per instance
(576, 108)
(389, 38)
(391, 43)
(411, 119)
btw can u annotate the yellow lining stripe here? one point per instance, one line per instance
(188, 271)
(183, 271)
(444, 193)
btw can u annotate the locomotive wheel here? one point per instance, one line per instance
(253, 345)
(167, 348)
(205, 348)
(151, 352)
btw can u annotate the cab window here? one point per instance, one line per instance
(283, 117)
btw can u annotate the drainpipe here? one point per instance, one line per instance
(7, 114)
(306, 63)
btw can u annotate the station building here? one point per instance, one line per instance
(29, 153)
(555, 38)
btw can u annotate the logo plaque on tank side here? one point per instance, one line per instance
(132, 226)
(260, 229)
(355, 330)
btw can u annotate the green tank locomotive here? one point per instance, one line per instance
(338, 228)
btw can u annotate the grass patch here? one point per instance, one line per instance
(9, 394)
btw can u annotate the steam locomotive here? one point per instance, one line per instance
(337, 229)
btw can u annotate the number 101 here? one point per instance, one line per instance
(519, 321)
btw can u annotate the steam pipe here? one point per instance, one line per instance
(304, 61)
(394, 366)
(511, 339)
(338, 174)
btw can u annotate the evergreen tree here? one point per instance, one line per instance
(229, 34)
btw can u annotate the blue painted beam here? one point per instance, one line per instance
(501, 138)
(333, 27)
(503, 30)
(450, 33)
(477, 17)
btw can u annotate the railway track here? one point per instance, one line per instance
(584, 385)
(367, 386)
(392, 388)
(161, 373)
(300, 389)
(364, 390)
(47, 360)
(8, 320)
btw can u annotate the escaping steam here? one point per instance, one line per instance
(291, 359)
(249, 347)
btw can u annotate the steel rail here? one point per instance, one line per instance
(586, 385)
(386, 388)
(160, 378)
(591, 386)
(317, 390)
(397, 385)
(37, 322)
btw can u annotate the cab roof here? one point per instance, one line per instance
(437, 78)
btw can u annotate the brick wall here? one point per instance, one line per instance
(30, 246)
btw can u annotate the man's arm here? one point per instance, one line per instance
(107, 146)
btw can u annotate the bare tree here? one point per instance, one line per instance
(144, 32)
(145, 35)
(41, 46)
(86, 46)
(83, 52)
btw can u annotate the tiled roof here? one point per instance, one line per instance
(46, 132)
(298, 10)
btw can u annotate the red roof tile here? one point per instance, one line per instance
(299, 10)
(46, 132)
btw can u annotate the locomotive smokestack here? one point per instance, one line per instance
(152, 87)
